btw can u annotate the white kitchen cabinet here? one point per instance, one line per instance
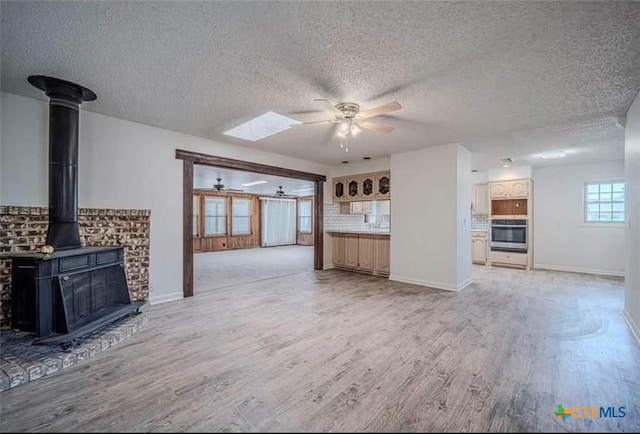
(361, 207)
(508, 258)
(479, 247)
(481, 198)
(518, 189)
(499, 190)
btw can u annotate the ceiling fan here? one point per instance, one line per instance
(350, 119)
(220, 186)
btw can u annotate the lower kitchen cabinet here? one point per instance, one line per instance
(367, 253)
(382, 249)
(351, 250)
(479, 244)
(338, 251)
(512, 259)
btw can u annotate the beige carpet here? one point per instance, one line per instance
(214, 270)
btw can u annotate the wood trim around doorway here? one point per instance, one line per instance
(230, 163)
(187, 228)
(189, 159)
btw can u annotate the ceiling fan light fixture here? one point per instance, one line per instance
(355, 130)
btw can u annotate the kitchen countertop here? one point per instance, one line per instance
(347, 231)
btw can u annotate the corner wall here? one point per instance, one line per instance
(632, 178)
(430, 213)
(561, 238)
(122, 164)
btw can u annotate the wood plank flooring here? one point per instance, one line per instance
(339, 351)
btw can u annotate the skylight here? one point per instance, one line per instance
(263, 126)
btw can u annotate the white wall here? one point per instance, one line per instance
(364, 166)
(561, 239)
(122, 165)
(428, 228)
(508, 173)
(632, 177)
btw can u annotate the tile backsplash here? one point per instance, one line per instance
(333, 220)
(479, 221)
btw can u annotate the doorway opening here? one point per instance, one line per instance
(244, 221)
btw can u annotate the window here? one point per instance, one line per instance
(196, 214)
(604, 202)
(304, 216)
(215, 215)
(241, 213)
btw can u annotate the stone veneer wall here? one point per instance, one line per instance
(24, 229)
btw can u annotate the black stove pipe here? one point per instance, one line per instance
(64, 101)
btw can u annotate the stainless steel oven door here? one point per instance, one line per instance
(509, 236)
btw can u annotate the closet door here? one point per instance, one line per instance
(278, 222)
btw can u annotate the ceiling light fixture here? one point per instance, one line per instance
(249, 184)
(506, 162)
(299, 190)
(554, 154)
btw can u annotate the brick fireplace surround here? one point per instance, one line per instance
(24, 229)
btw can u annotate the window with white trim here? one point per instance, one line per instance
(604, 202)
(241, 218)
(304, 216)
(215, 215)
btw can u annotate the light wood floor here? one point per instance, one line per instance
(215, 270)
(337, 351)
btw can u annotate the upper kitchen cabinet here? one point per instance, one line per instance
(362, 187)
(339, 189)
(368, 186)
(481, 199)
(499, 190)
(383, 185)
(518, 189)
(354, 188)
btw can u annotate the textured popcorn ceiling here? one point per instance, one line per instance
(504, 79)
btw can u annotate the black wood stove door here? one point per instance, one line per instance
(90, 295)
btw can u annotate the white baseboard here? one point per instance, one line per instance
(579, 270)
(327, 266)
(165, 298)
(464, 284)
(635, 329)
(436, 285)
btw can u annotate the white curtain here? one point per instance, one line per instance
(278, 221)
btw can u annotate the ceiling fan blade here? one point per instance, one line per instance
(379, 128)
(330, 105)
(391, 107)
(326, 121)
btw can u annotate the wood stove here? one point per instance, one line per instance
(73, 291)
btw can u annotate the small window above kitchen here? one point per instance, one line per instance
(604, 202)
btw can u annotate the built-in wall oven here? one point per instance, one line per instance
(509, 235)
